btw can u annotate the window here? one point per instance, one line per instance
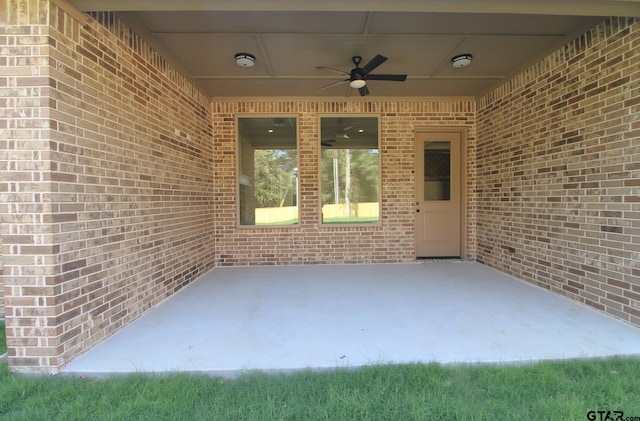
(437, 170)
(268, 170)
(349, 170)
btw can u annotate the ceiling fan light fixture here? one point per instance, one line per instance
(461, 60)
(245, 59)
(357, 83)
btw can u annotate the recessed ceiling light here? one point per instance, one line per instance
(461, 60)
(270, 130)
(245, 59)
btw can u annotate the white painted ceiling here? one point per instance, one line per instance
(291, 38)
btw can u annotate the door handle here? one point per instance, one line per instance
(418, 210)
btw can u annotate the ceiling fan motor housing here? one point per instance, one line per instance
(356, 74)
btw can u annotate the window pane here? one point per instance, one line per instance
(349, 170)
(268, 162)
(437, 170)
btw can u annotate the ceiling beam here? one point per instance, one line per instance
(539, 7)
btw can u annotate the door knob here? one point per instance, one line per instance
(418, 210)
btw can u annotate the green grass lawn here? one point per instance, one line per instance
(3, 343)
(351, 220)
(544, 391)
(287, 222)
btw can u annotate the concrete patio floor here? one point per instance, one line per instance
(328, 316)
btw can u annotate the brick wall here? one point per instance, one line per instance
(310, 242)
(108, 206)
(558, 172)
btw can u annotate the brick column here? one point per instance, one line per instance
(30, 268)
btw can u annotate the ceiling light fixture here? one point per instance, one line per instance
(461, 60)
(357, 83)
(245, 59)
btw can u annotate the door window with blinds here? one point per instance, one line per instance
(437, 170)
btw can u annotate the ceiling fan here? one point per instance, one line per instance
(359, 76)
(344, 135)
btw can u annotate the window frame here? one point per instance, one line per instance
(238, 149)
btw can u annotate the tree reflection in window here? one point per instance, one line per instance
(349, 170)
(268, 166)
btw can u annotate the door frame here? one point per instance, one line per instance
(462, 131)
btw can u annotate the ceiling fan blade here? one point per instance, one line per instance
(327, 143)
(344, 134)
(364, 90)
(375, 62)
(331, 69)
(333, 84)
(397, 78)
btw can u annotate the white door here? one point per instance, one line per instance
(438, 194)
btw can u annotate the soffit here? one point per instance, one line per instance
(291, 39)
